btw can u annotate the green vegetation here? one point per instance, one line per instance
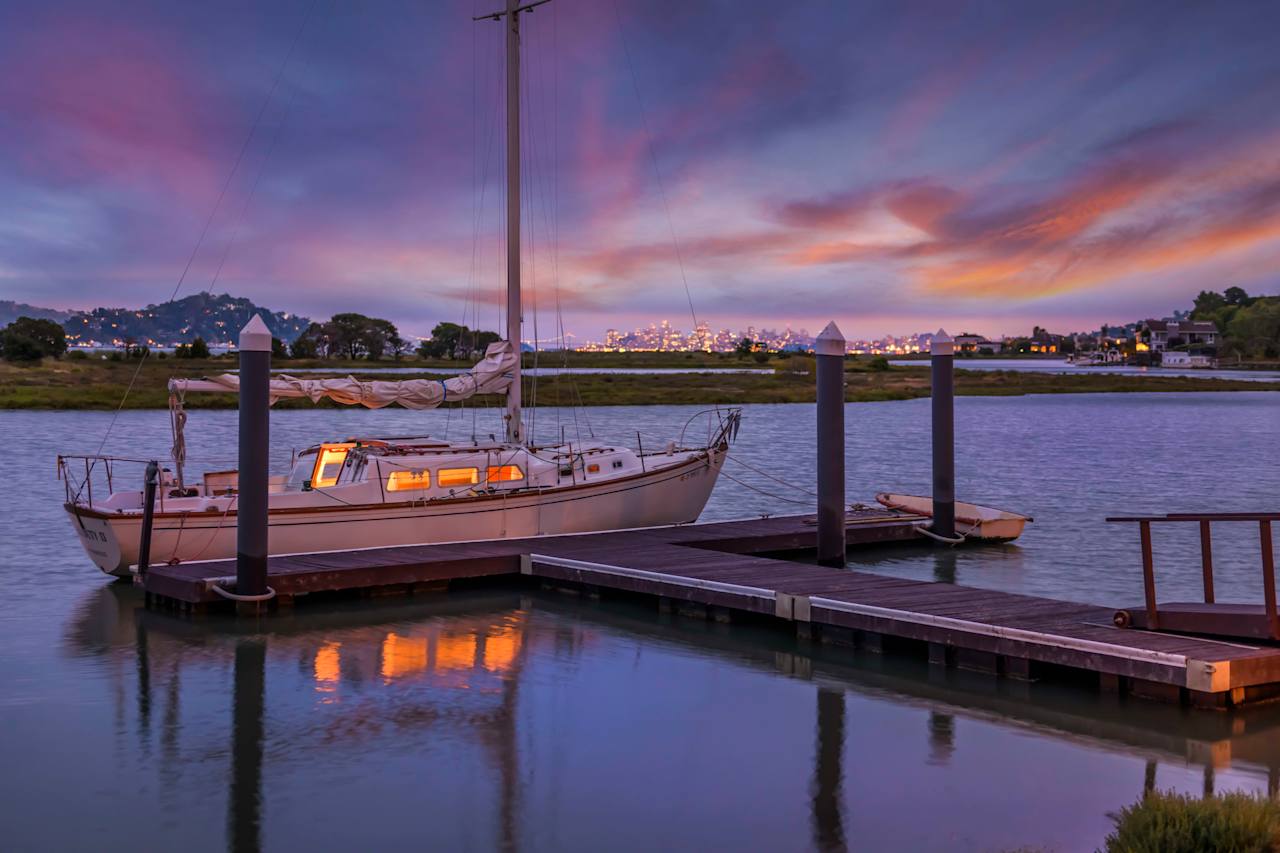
(1250, 325)
(1176, 823)
(97, 383)
(351, 336)
(449, 340)
(28, 339)
(198, 349)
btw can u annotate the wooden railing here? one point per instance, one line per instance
(1205, 520)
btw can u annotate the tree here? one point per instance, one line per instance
(30, 339)
(450, 340)
(199, 349)
(744, 347)
(278, 348)
(398, 344)
(1208, 303)
(304, 346)
(377, 337)
(348, 335)
(1236, 296)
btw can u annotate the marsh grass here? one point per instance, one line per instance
(100, 384)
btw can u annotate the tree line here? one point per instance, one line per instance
(354, 336)
(347, 336)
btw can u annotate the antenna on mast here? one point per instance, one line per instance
(514, 417)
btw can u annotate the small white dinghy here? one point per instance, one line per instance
(973, 521)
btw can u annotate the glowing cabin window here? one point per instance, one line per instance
(329, 465)
(593, 468)
(401, 481)
(505, 473)
(447, 477)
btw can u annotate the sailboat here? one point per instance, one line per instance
(375, 491)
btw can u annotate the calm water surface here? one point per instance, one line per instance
(493, 719)
(1061, 365)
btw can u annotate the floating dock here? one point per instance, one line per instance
(747, 570)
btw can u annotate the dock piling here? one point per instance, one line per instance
(255, 440)
(148, 513)
(829, 348)
(942, 364)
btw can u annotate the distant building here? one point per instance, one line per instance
(977, 343)
(1043, 342)
(1161, 335)
(1171, 358)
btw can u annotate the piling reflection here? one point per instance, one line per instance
(244, 804)
(942, 737)
(828, 772)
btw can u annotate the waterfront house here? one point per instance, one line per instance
(1161, 335)
(969, 342)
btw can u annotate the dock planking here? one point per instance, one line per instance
(734, 567)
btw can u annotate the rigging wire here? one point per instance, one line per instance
(214, 212)
(653, 160)
(745, 484)
(801, 489)
(253, 188)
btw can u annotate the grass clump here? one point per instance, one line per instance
(1166, 822)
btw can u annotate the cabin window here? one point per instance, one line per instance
(505, 473)
(401, 481)
(446, 477)
(617, 463)
(593, 468)
(329, 464)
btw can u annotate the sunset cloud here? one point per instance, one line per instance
(908, 163)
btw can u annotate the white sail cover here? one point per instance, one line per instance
(491, 375)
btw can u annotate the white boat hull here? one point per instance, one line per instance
(670, 495)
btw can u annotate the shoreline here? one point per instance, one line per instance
(71, 385)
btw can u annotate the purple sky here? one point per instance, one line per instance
(895, 166)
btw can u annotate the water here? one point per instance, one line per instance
(494, 718)
(1062, 366)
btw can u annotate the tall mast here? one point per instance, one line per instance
(515, 424)
(515, 427)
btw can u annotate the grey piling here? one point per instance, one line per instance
(829, 348)
(944, 435)
(148, 513)
(255, 440)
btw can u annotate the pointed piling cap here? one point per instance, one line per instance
(830, 341)
(255, 336)
(943, 344)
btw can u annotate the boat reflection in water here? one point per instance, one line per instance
(407, 693)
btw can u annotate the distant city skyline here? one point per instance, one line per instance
(893, 167)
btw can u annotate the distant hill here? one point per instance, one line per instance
(10, 311)
(217, 319)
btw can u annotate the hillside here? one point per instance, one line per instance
(217, 319)
(10, 311)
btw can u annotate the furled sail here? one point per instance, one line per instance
(492, 375)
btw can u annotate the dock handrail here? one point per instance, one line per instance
(1205, 520)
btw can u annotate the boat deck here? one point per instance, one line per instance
(722, 570)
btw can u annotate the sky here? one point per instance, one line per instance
(894, 166)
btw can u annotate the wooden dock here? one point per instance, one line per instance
(735, 570)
